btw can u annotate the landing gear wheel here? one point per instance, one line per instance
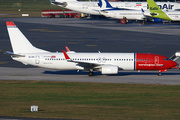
(90, 73)
(159, 74)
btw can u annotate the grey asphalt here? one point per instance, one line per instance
(87, 35)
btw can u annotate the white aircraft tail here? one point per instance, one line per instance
(20, 44)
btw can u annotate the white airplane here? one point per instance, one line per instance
(109, 11)
(106, 63)
(93, 7)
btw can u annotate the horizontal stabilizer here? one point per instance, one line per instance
(12, 54)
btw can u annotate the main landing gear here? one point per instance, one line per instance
(90, 72)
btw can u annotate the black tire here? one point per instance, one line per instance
(159, 74)
(90, 73)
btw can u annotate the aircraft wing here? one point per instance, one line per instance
(84, 64)
(64, 4)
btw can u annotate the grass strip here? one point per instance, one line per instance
(15, 8)
(89, 100)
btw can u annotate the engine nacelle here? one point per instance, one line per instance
(109, 70)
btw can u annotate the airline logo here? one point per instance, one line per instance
(138, 4)
(165, 6)
(153, 8)
(53, 56)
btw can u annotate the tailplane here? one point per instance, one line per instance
(20, 44)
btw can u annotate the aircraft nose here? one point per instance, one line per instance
(173, 64)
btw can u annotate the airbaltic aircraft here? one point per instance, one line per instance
(116, 13)
(158, 13)
(93, 7)
(106, 63)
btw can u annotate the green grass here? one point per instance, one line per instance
(89, 100)
(31, 7)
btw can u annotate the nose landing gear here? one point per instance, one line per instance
(159, 73)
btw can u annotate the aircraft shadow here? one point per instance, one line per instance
(74, 72)
(70, 72)
(143, 73)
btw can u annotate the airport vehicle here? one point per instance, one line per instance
(59, 13)
(106, 63)
(93, 7)
(156, 12)
(116, 13)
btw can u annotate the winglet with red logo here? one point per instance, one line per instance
(67, 49)
(10, 24)
(66, 56)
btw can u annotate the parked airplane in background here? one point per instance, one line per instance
(156, 12)
(106, 63)
(93, 7)
(109, 11)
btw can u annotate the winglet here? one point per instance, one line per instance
(67, 49)
(66, 56)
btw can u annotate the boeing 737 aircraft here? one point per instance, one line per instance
(156, 12)
(106, 63)
(116, 13)
(93, 7)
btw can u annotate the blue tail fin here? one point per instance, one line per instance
(104, 4)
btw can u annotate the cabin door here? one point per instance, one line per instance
(37, 60)
(156, 59)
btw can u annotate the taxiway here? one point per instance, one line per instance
(84, 35)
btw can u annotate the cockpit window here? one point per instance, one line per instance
(166, 59)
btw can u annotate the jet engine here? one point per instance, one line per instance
(109, 70)
(64, 4)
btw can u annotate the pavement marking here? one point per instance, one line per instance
(45, 30)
